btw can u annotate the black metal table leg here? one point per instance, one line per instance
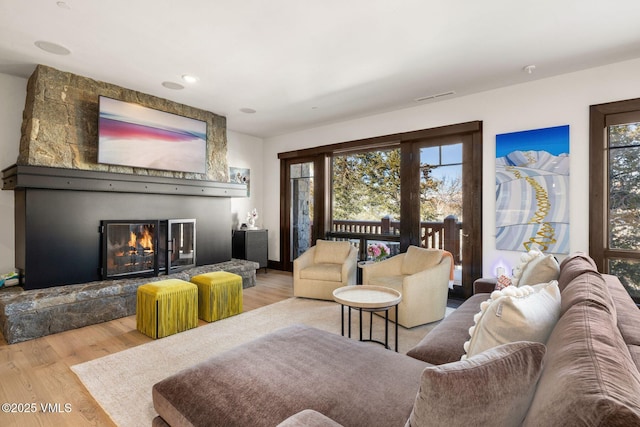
(342, 319)
(386, 328)
(397, 327)
(370, 325)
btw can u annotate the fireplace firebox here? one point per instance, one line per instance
(146, 247)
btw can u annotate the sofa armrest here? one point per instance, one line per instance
(303, 261)
(421, 286)
(444, 344)
(349, 267)
(484, 285)
(389, 267)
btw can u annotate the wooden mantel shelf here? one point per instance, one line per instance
(21, 177)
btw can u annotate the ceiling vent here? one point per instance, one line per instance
(434, 96)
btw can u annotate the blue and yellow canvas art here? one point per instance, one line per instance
(532, 190)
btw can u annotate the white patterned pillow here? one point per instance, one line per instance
(515, 314)
(534, 268)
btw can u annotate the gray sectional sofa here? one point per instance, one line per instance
(586, 375)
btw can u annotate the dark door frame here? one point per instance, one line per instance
(471, 236)
(601, 116)
(471, 132)
(319, 206)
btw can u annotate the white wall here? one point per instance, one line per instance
(12, 94)
(542, 103)
(245, 151)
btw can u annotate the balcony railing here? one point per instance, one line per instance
(439, 235)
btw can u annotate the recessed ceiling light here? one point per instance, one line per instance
(63, 5)
(247, 110)
(190, 78)
(172, 85)
(54, 48)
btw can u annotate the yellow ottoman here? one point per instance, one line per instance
(166, 307)
(219, 295)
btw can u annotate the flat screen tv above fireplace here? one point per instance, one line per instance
(132, 135)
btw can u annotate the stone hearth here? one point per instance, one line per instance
(30, 314)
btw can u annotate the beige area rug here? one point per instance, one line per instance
(121, 382)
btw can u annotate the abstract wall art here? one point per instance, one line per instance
(241, 176)
(532, 190)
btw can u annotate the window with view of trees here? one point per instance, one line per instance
(366, 186)
(441, 182)
(366, 193)
(614, 241)
(624, 201)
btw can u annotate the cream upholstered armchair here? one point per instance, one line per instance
(323, 268)
(422, 276)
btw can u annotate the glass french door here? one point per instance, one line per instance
(441, 178)
(447, 176)
(301, 208)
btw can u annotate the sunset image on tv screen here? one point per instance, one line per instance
(132, 135)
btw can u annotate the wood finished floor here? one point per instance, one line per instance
(39, 371)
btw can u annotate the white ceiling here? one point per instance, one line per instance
(301, 63)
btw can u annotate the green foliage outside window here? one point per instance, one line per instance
(366, 187)
(624, 201)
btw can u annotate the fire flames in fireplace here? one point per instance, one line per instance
(141, 243)
(130, 248)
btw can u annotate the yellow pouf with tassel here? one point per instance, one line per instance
(166, 307)
(219, 295)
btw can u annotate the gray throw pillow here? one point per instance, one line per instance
(494, 387)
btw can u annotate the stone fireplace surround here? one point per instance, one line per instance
(61, 193)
